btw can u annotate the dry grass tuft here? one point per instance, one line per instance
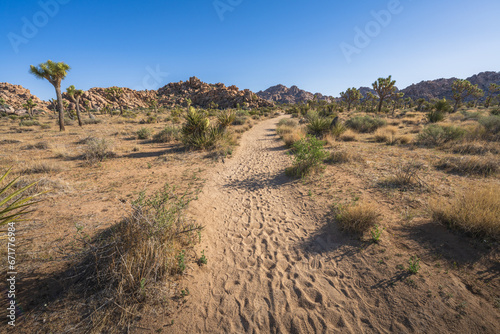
(405, 177)
(357, 218)
(482, 166)
(42, 145)
(97, 150)
(475, 147)
(293, 137)
(476, 211)
(40, 167)
(349, 135)
(127, 266)
(386, 135)
(340, 156)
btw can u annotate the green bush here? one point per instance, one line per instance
(443, 106)
(435, 135)
(318, 126)
(435, 116)
(338, 129)
(226, 118)
(97, 150)
(166, 135)
(495, 112)
(491, 124)
(143, 133)
(287, 122)
(365, 124)
(198, 134)
(308, 154)
(29, 122)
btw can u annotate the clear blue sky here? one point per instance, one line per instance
(256, 44)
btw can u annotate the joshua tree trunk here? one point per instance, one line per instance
(78, 111)
(57, 85)
(457, 104)
(381, 101)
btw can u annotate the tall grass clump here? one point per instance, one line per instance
(365, 124)
(144, 133)
(436, 135)
(491, 125)
(97, 150)
(475, 211)
(168, 134)
(481, 166)
(357, 218)
(318, 126)
(129, 265)
(197, 133)
(308, 155)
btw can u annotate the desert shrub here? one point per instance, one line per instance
(97, 150)
(338, 129)
(386, 135)
(318, 126)
(435, 135)
(292, 137)
(467, 115)
(474, 211)
(495, 112)
(308, 155)
(226, 118)
(41, 145)
(357, 218)
(143, 133)
(45, 126)
(442, 106)
(405, 176)
(287, 122)
(198, 134)
(475, 147)
(482, 166)
(42, 167)
(240, 120)
(348, 136)
(491, 124)
(168, 134)
(340, 156)
(435, 116)
(88, 121)
(365, 124)
(29, 122)
(131, 262)
(149, 120)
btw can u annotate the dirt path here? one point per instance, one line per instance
(260, 277)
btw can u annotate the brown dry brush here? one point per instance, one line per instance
(128, 267)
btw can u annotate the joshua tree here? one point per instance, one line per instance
(463, 89)
(492, 90)
(420, 103)
(351, 96)
(29, 105)
(153, 104)
(115, 93)
(75, 95)
(385, 88)
(396, 98)
(54, 73)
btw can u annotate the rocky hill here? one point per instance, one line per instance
(209, 95)
(292, 95)
(15, 96)
(441, 88)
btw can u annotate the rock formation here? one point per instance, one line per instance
(292, 95)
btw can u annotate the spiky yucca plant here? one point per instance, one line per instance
(14, 205)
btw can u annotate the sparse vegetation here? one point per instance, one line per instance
(414, 264)
(482, 166)
(168, 134)
(474, 211)
(97, 150)
(144, 133)
(357, 218)
(308, 155)
(435, 135)
(365, 124)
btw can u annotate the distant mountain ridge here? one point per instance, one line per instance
(292, 95)
(441, 88)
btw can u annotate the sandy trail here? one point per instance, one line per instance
(260, 277)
